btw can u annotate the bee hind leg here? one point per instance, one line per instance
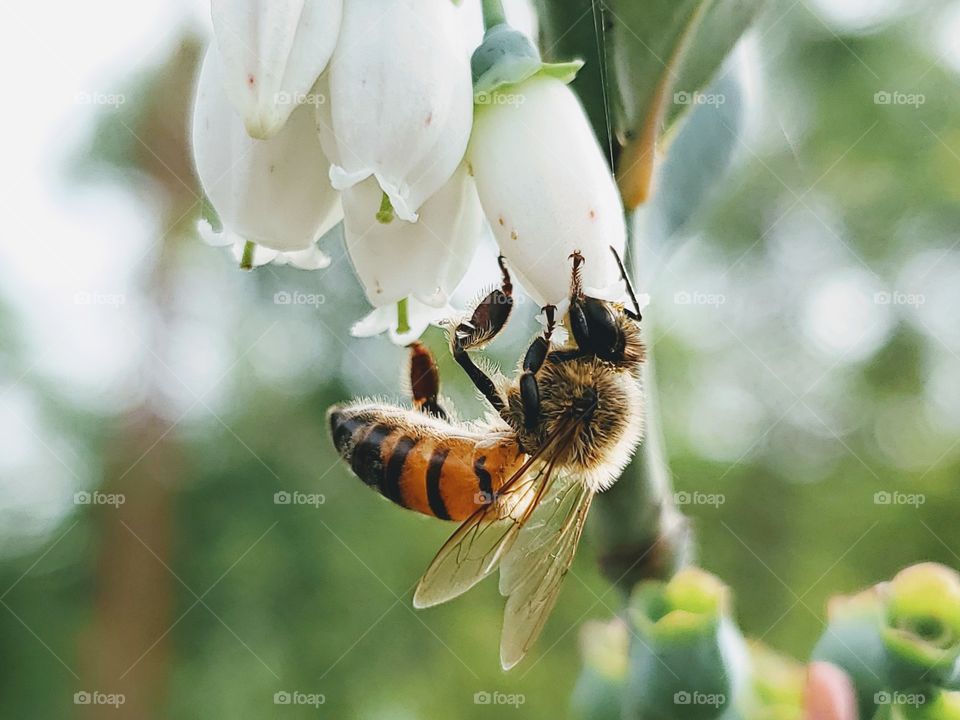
(425, 381)
(488, 319)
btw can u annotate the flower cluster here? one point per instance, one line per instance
(371, 112)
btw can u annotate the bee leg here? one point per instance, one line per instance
(532, 362)
(425, 381)
(488, 319)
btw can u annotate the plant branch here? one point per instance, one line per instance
(493, 14)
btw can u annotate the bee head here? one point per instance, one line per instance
(606, 329)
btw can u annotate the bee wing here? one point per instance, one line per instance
(475, 549)
(533, 570)
(478, 545)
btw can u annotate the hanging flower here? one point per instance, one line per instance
(272, 54)
(418, 264)
(541, 174)
(275, 193)
(400, 100)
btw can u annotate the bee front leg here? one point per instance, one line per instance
(425, 381)
(532, 362)
(488, 319)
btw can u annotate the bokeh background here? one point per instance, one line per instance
(805, 330)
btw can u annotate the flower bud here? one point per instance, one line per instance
(598, 694)
(546, 188)
(400, 100)
(273, 52)
(688, 659)
(273, 192)
(898, 636)
(426, 259)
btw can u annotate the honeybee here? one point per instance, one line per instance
(522, 480)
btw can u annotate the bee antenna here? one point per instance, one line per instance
(626, 281)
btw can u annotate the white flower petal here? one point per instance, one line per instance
(546, 188)
(273, 52)
(426, 259)
(274, 192)
(419, 318)
(401, 99)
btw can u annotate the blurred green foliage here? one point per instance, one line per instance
(317, 599)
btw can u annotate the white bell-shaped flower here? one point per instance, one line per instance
(276, 192)
(425, 260)
(401, 99)
(273, 52)
(546, 188)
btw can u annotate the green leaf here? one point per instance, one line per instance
(699, 156)
(663, 47)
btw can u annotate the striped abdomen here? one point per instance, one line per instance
(420, 462)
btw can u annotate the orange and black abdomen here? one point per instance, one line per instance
(423, 464)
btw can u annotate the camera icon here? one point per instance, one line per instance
(282, 697)
(82, 698)
(682, 298)
(282, 498)
(282, 298)
(882, 698)
(482, 698)
(882, 97)
(882, 298)
(82, 498)
(682, 497)
(681, 698)
(882, 498)
(482, 98)
(682, 98)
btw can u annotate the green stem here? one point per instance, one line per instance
(246, 261)
(493, 14)
(385, 213)
(403, 317)
(640, 533)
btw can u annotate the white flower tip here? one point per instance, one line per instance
(210, 236)
(313, 258)
(343, 179)
(263, 125)
(400, 202)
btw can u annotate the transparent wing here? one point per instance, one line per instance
(532, 572)
(476, 548)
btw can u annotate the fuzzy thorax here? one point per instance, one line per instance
(604, 401)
